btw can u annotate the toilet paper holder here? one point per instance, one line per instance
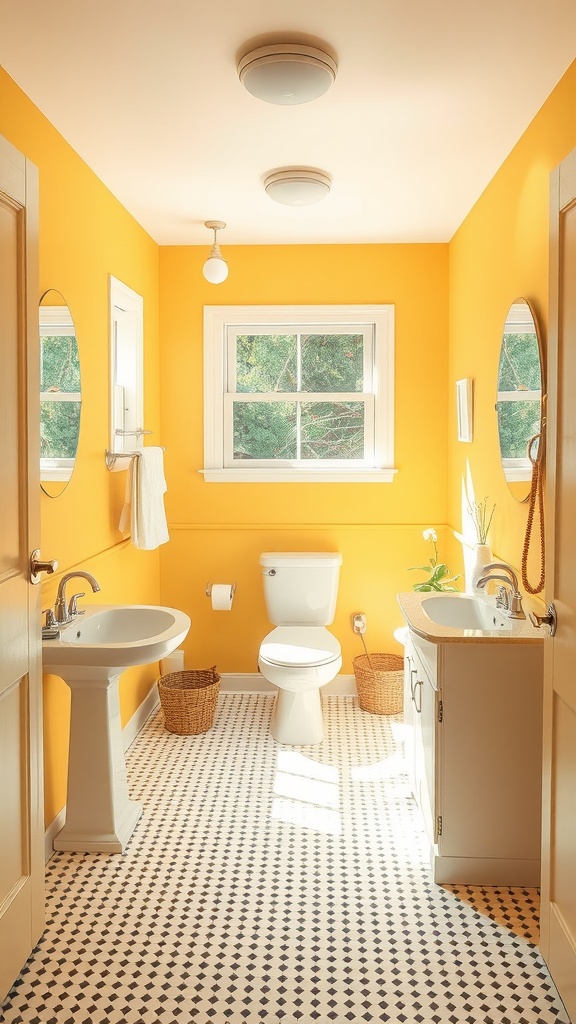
(209, 590)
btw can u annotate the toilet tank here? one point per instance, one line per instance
(300, 587)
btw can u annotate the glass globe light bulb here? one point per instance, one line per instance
(215, 269)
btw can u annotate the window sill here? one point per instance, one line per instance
(299, 476)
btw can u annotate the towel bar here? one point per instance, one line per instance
(113, 457)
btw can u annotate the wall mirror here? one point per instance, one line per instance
(520, 397)
(60, 393)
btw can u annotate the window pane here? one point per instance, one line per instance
(60, 369)
(517, 423)
(59, 428)
(332, 430)
(519, 368)
(266, 362)
(332, 362)
(264, 430)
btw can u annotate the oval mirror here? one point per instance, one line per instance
(520, 390)
(60, 395)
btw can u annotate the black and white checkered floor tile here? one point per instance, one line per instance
(277, 884)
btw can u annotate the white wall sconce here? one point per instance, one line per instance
(215, 269)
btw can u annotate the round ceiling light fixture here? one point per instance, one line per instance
(295, 186)
(287, 73)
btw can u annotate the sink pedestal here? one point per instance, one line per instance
(100, 817)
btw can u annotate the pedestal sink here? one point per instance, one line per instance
(90, 655)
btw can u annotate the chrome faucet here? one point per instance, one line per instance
(62, 614)
(510, 601)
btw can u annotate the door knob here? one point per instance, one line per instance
(550, 619)
(37, 566)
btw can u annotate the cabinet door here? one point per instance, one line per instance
(425, 705)
(410, 672)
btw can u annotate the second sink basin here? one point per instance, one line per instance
(463, 611)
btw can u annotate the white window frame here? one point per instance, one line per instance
(221, 323)
(519, 321)
(126, 369)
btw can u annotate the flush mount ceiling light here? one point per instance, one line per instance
(287, 73)
(295, 186)
(215, 269)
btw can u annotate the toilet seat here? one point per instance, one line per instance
(300, 647)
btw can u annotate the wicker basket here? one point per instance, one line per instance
(380, 683)
(188, 700)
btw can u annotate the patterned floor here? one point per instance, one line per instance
(277, 884)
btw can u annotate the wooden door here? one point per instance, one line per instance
(558, 918)
(21, 846)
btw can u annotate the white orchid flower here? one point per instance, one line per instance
(430, 535)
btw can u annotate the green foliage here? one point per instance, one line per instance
(439, 576)
(297, 365)
(59, 376)
(519, 371)
(264, 430)
(60, 366)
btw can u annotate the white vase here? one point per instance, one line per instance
(481, 556)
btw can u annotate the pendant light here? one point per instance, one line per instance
(215, 269)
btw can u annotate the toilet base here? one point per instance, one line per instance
(297, 718)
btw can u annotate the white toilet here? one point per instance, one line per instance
(300, 655)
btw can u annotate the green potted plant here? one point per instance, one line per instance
(439, 577)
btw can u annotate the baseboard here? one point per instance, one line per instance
(254, 682)
(129, 734)
(55, 826)
(140, 717)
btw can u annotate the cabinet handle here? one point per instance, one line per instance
(420, 684)
(413, 672)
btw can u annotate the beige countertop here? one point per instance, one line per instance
(522, 630)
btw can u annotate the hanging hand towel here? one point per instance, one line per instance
(144, 502)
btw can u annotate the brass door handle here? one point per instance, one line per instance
(37, 566)
(550, 619)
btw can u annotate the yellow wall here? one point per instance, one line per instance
(85, 235)
(500, 253)
(218, 530)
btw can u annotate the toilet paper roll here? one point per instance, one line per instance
(172, 663)
(222, 594)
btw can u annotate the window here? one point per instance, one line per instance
(296, 393)
(519, 393)
(60, 397)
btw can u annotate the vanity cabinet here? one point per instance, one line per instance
(473, 723)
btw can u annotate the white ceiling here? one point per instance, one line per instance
(429, 99)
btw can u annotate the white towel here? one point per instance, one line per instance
(144, 502)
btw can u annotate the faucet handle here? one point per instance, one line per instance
(73, 606)
(49, 621)
(50, 629)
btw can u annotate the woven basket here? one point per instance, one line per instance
(380, 683)
(188, 700)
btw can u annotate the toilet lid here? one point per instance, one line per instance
(300, 646)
